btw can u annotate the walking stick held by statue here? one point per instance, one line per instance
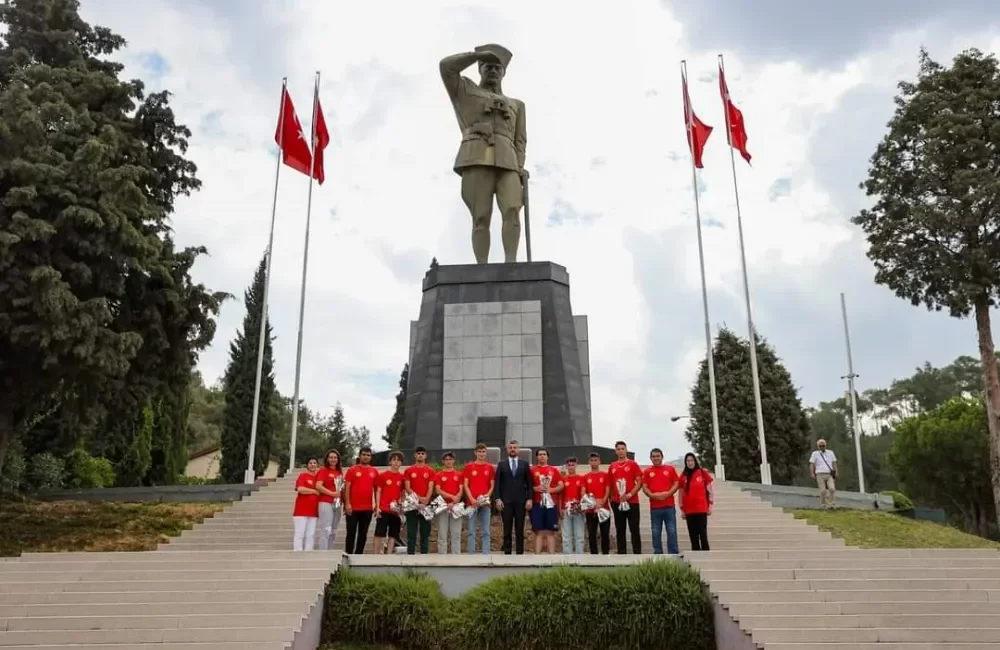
(527, 215)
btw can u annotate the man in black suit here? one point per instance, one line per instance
(513, 496)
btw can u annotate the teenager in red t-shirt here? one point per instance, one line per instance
(696, 497)
(596, 483)
(419, 481)
(479, 478)
(448, 485)
(306, 508)
(389, 496)
(359, 501)
(659, 483)
(572, 523)
(545, 518)
(627, 470)
(329, 480)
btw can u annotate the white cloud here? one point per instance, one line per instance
(604, 122)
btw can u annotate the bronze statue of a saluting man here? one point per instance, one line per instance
(491, 157)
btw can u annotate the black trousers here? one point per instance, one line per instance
(357, 531)
(605, 527)
(631, 516)
(512, 517)
(698, 531)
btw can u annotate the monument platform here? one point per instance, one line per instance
(497, 355)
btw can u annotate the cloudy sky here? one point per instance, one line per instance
(611, 179)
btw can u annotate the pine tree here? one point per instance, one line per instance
(239, 383)
(99, 314)
(786, 426)
(393, 435)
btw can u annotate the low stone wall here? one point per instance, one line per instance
(215, 493)
(787, 496)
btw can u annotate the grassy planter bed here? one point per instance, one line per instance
(649, 606)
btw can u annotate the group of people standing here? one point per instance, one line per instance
(580, 504)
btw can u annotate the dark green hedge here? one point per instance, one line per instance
(659, 605)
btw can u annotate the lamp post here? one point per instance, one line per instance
(675, 418)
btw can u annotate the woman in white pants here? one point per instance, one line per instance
(306, 508)
(328, 482)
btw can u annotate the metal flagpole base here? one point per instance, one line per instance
(249, 477)
(720, 472)
(765, 474)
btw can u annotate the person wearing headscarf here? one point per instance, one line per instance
(695, 498)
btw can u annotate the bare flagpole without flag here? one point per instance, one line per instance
(720, 470)
(305, 269)
(765, 467)
(855, 429)
(249, 476)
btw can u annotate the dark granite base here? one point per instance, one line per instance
(566, 414)
(557, 455)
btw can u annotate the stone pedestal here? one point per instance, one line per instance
(495, 355)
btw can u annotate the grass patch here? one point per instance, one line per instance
(564, 608)
(53, 526)
(870, 529)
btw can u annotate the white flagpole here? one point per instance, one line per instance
(305, 268)
(855, 429)
(765, 467)
(720, 470)
(249, 476)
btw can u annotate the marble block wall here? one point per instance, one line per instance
(493, 366)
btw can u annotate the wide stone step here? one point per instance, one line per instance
(152, 622)
(823, 563)
(882, 646)
(238, 645)
(878, 635)
(846, 574)
(850, 553)
(145, 585)
(167, 574)
(859, 595)
(298, 595)
(890, 607)
(10, 571)
(949, 621)
(856, 583)
(122, 637)
(161, 609)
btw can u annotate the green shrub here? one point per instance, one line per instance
(653, 605)
(86, 471)
(14, 468)
(899, 500)
(45, 472)
(406, 610)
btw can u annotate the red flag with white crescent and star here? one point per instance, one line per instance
(290, 137)
(697, 131)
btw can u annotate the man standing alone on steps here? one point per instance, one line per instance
(513, 496)
(823, 468)
(419, 482)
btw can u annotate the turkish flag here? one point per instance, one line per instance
(697, 131)
(320, 140)
(290, 137)
(737, 135)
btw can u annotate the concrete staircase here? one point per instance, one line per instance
(804, 593)
(217, 595)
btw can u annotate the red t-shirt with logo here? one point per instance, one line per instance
(306, 505)
(480, 477)
(449, 480)
(595, 483)
(660, 479)
(537, 472)
(328, 477)
(695, 500)
(624, 469)
(420, 478)
(391, 484)
(574, 487)
(362, 479)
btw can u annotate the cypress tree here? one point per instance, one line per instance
(786, 426)
(239, 383)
